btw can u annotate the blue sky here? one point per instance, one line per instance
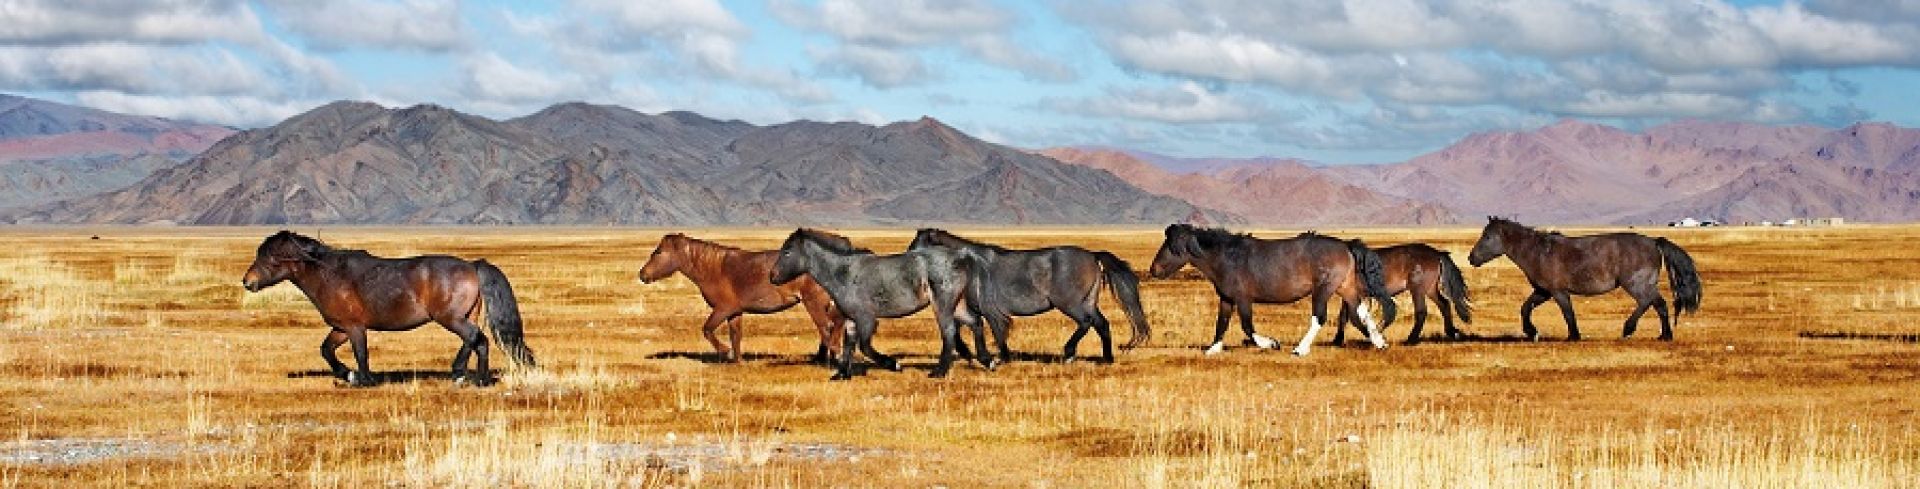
(1359, 81)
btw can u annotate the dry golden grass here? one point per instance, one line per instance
(141, 359)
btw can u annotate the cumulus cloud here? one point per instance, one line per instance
(895, 30)
(241, 111)
(1504, 61)
(1189, 102)
(877, 67)
(427, 25)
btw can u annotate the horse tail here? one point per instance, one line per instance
(1125, 286)
(1680, 275)
(1373, 274)
(503, 313)
(1455, 288)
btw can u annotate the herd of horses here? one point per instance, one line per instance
(846, 290)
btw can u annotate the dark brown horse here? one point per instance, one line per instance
(356, 291)
(734, 282)
(1558, 265)
(1245, 270)
(1428, 274)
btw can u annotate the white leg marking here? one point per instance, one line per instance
(1264, 342)
(1215, 349)
(1373, 332)
(1306, 342)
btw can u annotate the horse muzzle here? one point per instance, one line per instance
(250, 285)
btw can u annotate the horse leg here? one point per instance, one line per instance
(1566, 312)
(1526, 313)
(1419, 318)
(327, 352)
(1340, 326)
(1666, 323)
(828, 321)
(1081, 325)
(1446, 316)
(733, 337)
(1220, 327)
(985, 356)
(849, 341)
(357, 335)
(1000, 324)
(866, 346)
(1313, 323)
(472, 340)
(1366, 323)
(714, 320)
(1246, 326)
(949, 334)
(1093, 317)
(1633, 320)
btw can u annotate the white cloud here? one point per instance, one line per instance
(878, 67)
(427, 25)
(238, 111)
(901, 29)
(1186, 103)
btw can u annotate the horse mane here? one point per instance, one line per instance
(313, 247)
(949, 236)
(703, 243)
(829, 241)
(1232, 245)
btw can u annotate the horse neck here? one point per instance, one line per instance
(1525, 247)
(318, 275)
(703, 260)
(1211, 263)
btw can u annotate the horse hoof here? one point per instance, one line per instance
(841, 376)
(1300, 352)
(937, 374)
(1264, 342)
(1666, 337)
(895, 366)
(1573, 338)
(990, 364)
(1216, 348)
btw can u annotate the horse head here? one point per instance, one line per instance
(1174, 253)
(1492, 242)
(667, 258)
(279, 257)
(795, 255)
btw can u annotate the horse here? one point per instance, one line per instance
(1427, 273)
(1557, 265)
(734, 282)
(1029, 282)
(356, 291)
(866, 287)
(1245, 270)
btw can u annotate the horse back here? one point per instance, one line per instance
(402, 293)
(1410, 263)
(1286, 270)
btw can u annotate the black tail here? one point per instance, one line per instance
(1681, 276)
(1455, 288)
(1373, 274)
(503, 313)
(1126, 287)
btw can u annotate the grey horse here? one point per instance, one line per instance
(1029, 282)
(866, 287)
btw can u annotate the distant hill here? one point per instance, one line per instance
(51, 151)
(360, 163)
(1578, 172)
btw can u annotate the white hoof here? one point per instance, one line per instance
(1216, 348)
(1300, 352)
(1264, 342)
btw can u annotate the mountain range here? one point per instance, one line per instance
(51, 151)
(361, 163)
(1568, 172)
(576, 163)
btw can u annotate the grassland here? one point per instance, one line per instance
(136, 359)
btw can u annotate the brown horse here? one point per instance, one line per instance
(1245, 270)
(1429, 274)
(356, 291)
(1558, 265)
(734, 282)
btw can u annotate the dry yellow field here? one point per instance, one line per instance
(137, 359)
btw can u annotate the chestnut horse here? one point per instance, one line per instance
(1245, 270)
(356, 291)
(734, 282)
(1558, 265)
(1427, 273)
